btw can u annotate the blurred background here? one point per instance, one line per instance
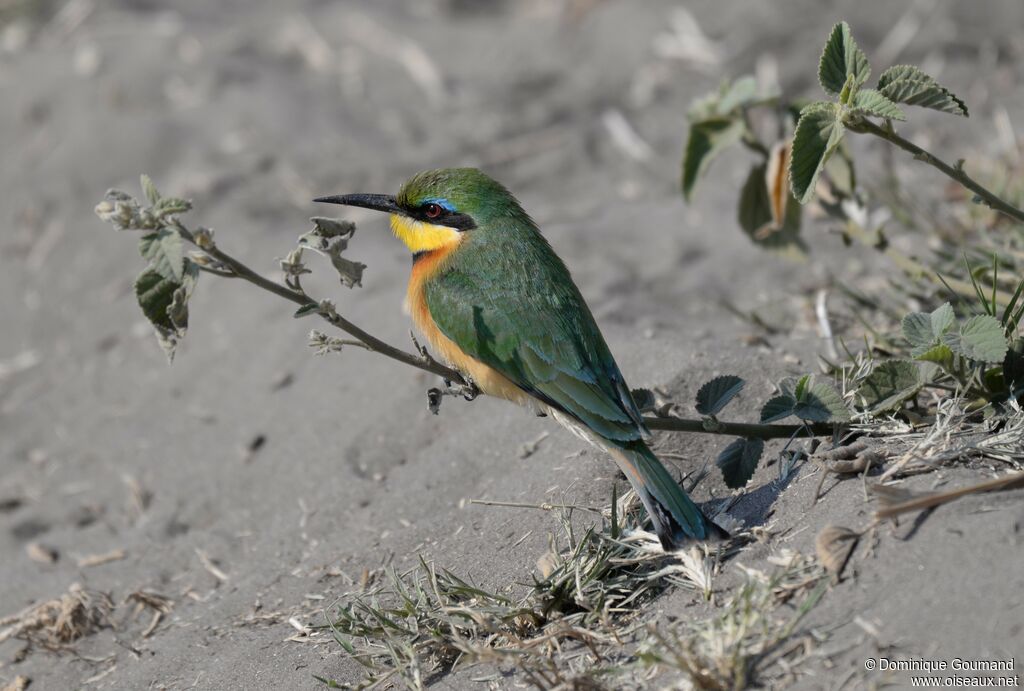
(290, 474)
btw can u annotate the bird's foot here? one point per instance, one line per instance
(468, 391)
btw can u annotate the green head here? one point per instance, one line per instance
(436, 208)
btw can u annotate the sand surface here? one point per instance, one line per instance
(253, 108)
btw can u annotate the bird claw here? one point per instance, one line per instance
(468, 391)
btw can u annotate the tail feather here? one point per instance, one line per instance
(676, 518)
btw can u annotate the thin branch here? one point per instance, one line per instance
(955, 172)
(372, 343)
(737, 429)
(428, 364)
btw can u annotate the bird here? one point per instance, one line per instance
(495, 302)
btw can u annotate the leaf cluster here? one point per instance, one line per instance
(165, 286)
(977, 355)
(843, 72)
(811, 135)
(809, 398)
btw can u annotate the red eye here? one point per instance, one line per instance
(432, 210)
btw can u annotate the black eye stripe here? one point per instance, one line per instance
(448, 218)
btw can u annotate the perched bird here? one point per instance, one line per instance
(496, 303)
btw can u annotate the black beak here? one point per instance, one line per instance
(377, 202)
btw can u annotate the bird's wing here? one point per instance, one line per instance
(523, 316)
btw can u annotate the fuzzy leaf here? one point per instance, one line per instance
(917, 329)
(778, 408)
(330, 237)
(332, 227)
(149, 189)
(172, 206)
(707, 139)
(1013, 364)
(165, 252)
(818, 133)
(717, 393)
(939, 354)
(756, 218)
(841, 59)
(164, 303)
(890, 384)
(981, 339)
(874, 103)
(802, 386)
(908, 84)
(306, 310)
(738, 461)
(818, 401)
(177, 311)
(730, 98)
(644, 399)
(741, 92)
(942, 320)
(755, 211)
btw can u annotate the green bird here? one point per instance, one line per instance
(496, 303)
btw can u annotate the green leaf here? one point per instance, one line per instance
(164, 303)
(740, 93)
(925, 331)
(981, 339)
(715, 394)
(917, 329)
(778, 408)
(841, 59)
(177, 311)
(165, 252)
(172, 206)
(149, 189)
(708, 138)
(818, 133)
(755, 216)
(1013, 364)
(755, 210)
(874, 103)
(730, 98)
(306, 310)
(802, 387)
(644, 399)
(939, 354)
(942, 320)
(890, 384)
(908, 84)
(818, 401)
(738, 461)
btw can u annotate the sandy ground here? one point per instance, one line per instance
(251, 109)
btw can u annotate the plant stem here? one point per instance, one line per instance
(737, 429)
(428, 364)
(955, 172)
(372, 343)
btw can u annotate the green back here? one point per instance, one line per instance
(507, 300)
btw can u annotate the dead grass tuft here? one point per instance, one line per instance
(578, 625)
(748, 642)
(59, 622)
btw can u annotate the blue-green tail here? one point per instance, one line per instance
(676, 518)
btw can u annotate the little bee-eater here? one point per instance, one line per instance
(496, 303)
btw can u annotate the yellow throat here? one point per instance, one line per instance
(423, 237)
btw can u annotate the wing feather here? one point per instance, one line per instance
(516, 309)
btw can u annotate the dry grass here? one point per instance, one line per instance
(579, 625)
(748, 642)
(59, 622)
